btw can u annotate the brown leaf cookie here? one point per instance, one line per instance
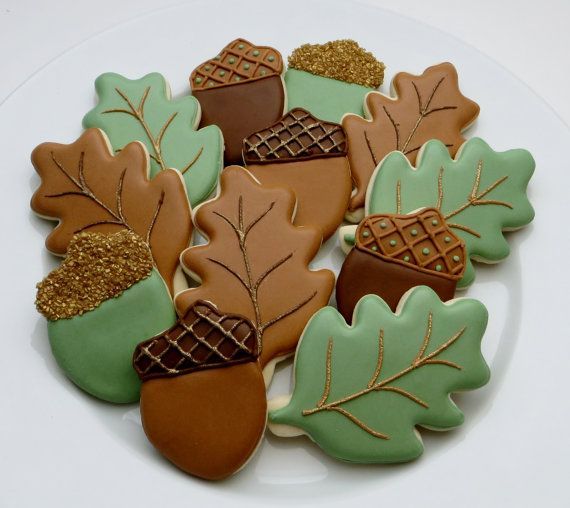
(203, 403)
(394, 253)
(241, 91)
(87, 188)
(256, 262)
(308, 155)
(429, 106)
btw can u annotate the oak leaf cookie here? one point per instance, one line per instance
(309, 156)
(142, 110)
(203, 403)
(331, 79)
(255, 263)
(241, 91)
(86, 188)
(480, 194)
(393, 253)
(361, 391)
(103, 298)
(429, 106)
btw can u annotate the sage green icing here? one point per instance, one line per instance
(180, 144)
(326, 98)
(95, 349)
(506, 206)
(354, 361)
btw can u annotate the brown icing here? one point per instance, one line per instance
(202, 338)
(239, 61)
(87, 188)
(309, 156)
(203, 403)
(394, 253)
(256, 262)
(240, 110)
(322, 187)
(429, 106)
(241, 107)
(297, 135)
(209, 422)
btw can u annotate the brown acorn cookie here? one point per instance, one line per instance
(241, 91)
(394, 253)
(309, 156)
(203, 403)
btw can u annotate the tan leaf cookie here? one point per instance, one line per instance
(308, 155)
(241, 91)
(256, 262)
(429, 106)
(87, 188)
(203, 403)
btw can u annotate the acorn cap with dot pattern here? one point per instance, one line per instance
(238, 62)
(421, 240)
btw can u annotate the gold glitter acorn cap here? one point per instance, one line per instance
(97, 267)
(239, 61)
(343, 60)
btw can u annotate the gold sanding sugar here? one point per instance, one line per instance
(344, 60)
(97, 267)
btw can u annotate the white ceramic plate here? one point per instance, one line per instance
(60, 447)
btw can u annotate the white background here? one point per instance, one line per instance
(530, 38)
(61, 448)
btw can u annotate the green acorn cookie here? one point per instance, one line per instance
(332, 79)
(99, 303)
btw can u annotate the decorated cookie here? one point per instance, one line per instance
(104, 297)
(255, 262)
(429, 106)
(86, 188)
(480, 194)
(394, 253)
(241, 91)
(142, 110)
(309, 156)
(331, 79)
(361, 390)
(203, 402)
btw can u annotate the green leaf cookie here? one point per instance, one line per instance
(481, 193)
(141, 110)
(361, 390)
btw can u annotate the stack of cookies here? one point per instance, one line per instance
(266, 164)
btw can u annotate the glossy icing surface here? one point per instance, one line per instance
(328, 99)
(361, 390)
(480, 193)
(89, 189)
(142, 110)
(429, 106)
(95, 349)
(253, 254)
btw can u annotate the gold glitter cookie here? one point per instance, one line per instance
(332, 79)
(100, 303)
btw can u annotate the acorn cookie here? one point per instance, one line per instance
(332, 79)
(203, 402)
(309, 156)
(241, 91)
(103, 298)
(393, 253)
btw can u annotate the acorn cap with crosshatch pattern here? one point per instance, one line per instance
(238, 62)
(203, 338)
(297, 135)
